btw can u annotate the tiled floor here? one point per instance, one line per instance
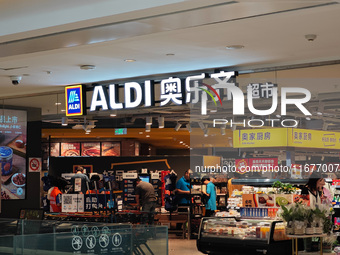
(183, 247)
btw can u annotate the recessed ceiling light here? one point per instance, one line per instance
(130, 60)
(147, 136)
(57, 103)
(87, 67)
(234, 47)
(140, 133)
(113, 115)
(319, 113)
(63, 110)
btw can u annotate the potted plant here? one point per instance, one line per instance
(310, 221)
(299, 216)
(319, 218)
(328, 242)
(287, 215)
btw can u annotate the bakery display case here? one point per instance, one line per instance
(242, 236)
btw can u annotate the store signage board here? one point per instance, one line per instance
(305, 138)
(120, 131)
(253, 138)
(193, 90)
(74, 100)
(130, 175)
(154, 176)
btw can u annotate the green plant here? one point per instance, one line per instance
(287, 214)
(309, 216)
(284, 188)
(330, 239)
(299, 212)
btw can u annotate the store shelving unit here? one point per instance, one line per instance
(242, 236)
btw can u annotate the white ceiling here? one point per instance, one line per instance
(51, 39)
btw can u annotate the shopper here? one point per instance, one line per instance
(183, 189)
(210, 193)
(80, 181)
(145, 197)
(314, 188)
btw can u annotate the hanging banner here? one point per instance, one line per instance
(253, 138)
(306, 138)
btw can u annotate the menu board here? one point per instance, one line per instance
(13, 133)
(110, 149)
(55, 149)
(90, 149)
(70, 149)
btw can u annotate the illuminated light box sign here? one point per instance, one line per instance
(286, 137)
(74, 100)
(13, 133)
(120, 131)
(275, 137)
(193, 90)
(306, 138)
(245, 165)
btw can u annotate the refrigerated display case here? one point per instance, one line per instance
(243, 236)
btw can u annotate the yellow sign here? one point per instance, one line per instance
(252, 138)
(286, 137)
(306, 138)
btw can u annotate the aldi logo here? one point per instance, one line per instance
(74, 100)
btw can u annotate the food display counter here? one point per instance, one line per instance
(243, 236)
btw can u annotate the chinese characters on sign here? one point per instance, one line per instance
(256, 136)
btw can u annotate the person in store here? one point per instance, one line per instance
(145, 197)
(210, 193)
(54, 195)
(80, 181)
(315, 189)
(183, 189)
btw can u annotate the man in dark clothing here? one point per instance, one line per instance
(146, 197)
(80, 181)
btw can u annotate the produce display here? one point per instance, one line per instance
(243, 229)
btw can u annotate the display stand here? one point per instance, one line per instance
(295, 250)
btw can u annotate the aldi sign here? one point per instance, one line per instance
(74, 100)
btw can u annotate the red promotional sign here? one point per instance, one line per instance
(241, 165)
(255, 165)
(263, 163)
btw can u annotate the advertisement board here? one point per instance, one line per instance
(13, 133)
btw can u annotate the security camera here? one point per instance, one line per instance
(310, 37)
(15, 79)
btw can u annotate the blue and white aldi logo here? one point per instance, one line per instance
(74, 100)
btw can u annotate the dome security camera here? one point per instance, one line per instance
(310, 37)
(15, 79)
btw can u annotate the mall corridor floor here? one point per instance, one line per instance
(183, 247)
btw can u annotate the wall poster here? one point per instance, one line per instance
(110, 148)
(70, 149)
(13, 132)
(90, 149)
(55, 149)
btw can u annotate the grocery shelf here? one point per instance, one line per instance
(266, 182)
